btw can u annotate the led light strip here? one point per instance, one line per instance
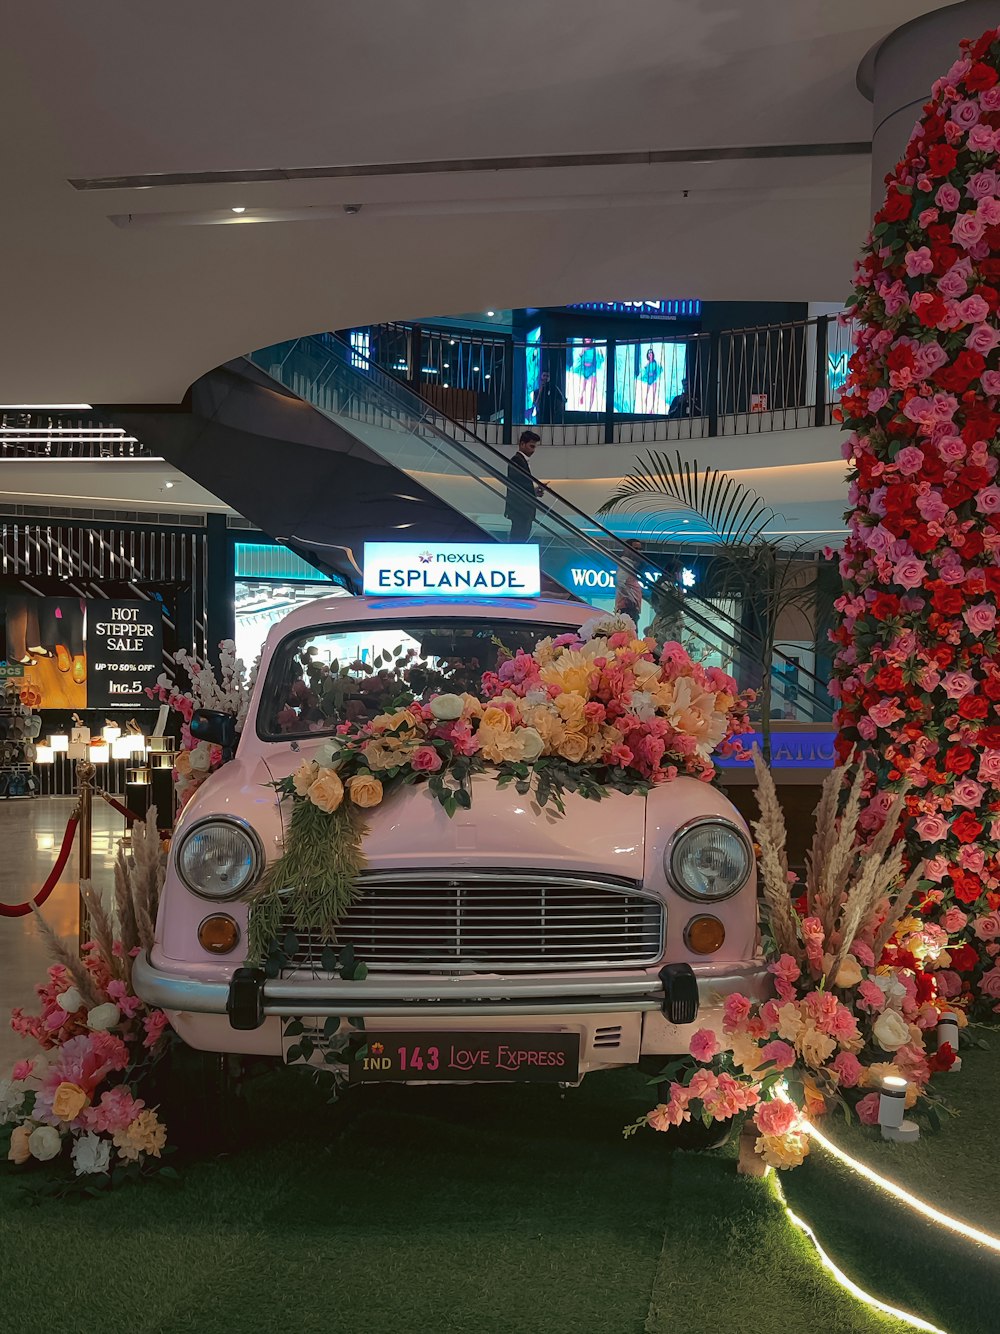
(838, 1274)
(897, 1192)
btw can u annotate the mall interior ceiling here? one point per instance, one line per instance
(186, 183)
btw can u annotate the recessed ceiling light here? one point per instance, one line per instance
(491, 313)
(239, 210)
(168, 485)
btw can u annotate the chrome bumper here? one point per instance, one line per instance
(395, 997)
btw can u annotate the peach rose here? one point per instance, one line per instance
(496, 720)
(304, 777)
(327, 792)
(364, 790)
(69, 1101)
(19, 1151)
(570, 709)
(573, 747)
(378, 755)
(849, 973)
(815, 1047)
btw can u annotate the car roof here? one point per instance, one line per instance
(339, 610)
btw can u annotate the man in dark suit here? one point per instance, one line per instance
(521, 489)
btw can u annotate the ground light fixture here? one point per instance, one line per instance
(838, 1274)
(891, 1106)
(947, 1032)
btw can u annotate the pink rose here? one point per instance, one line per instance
(988, 927)
(775, 1117)
(425, 760)
(22, 1070)
(988, 500)
(966, 113)
(972, 858)
(982, 139)
(983, 338)
(735, 1010)
(958, 684)
(967, 792)
(951, 448)
(782, 1054)
(932, 828)
(877, 399)
(953, 919)
(848, 1067)
(947, 197)
(989, 211)
(990, 380)
(948, 983)
(989, 766)
(973, 309)
(919, 261)
(870, 996)
(980, 618)
(867, 1109)
(704, 1045)
(968, 229)
(989, 984)
(908, 460)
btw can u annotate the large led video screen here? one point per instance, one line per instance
(649, 376)
(586, 375)
(532, 372)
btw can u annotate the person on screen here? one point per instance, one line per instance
(522, 491)
(649, 387)
(547, 401)
(587, 368)
(685, 404)
(628, 588)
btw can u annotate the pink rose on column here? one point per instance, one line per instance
(953, 919)
(988, 927)
(958, 684)
(983, 338)
(990, 380)
(989, 984)
(967, 792)
(948, 198)
(989, 766)
(919, 261)
(988, 500)
(932, 828)
(980, 618)
(910, 459)
(968, 229)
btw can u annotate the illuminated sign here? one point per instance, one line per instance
(451, 569)
(646, 310)
(789, 750)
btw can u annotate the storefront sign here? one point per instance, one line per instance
(451, 569)
(646, 310)
(124, 652)
(790, 750)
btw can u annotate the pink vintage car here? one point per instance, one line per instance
(504, 943)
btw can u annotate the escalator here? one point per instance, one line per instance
(451, 462)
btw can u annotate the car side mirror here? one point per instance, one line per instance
(216, 727)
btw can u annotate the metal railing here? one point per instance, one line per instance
(63, 435)
(622, 391)
(419, 437)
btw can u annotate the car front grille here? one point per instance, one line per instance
(479, 921)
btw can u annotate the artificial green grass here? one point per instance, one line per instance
(505, 1209)
(884, 1245)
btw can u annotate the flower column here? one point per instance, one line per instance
(918, 671)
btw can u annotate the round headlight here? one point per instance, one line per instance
(709, 860)
(218, 859)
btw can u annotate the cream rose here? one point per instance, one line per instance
(446, 708)
(890, 1031)
(789, 1021)
(532, 744)
(573, 747)
(304, 777)
(69, 1101)
(103, 1017)
(44, 1143)
(70, 1000)
(364, 790)
(19, 1151)
(91, 1154)
(328, 755)
(327, 792)
(201, 758)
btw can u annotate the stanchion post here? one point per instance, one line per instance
(85, 773)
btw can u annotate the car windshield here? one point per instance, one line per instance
(350, 673)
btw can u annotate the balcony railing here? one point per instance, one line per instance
(622, 391)
(62, 435)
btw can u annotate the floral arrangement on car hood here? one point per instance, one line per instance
(77, 1102)
(584, 712)
(918, 665)
(855, 980)
(229, 692)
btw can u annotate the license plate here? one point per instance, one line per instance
(401, 1058)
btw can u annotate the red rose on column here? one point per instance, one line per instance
(966, 828)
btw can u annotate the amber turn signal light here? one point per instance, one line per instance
(218, 934)
(704, 935)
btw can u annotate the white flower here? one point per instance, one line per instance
(446, 708)
(536, 696)
(91, 1154)
(532, 742)
(70, 1000)
(201, 757)
(11, 1097)
(890, 1031)
(328, 755)
(44, 1143)
(103, 1017)
(643, 705)
(603, 627)
(891, 986)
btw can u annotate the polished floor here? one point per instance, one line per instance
(31, 833)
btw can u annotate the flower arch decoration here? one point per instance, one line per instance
(918, 659)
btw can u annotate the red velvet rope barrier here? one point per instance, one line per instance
(130, 816)
(22, 909)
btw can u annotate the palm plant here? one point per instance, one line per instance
(764, 575)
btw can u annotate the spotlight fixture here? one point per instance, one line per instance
(239, 210)
(490, 314)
